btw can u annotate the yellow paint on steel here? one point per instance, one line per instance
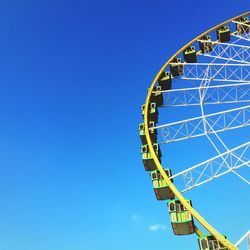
(195, 214)
(198, 231)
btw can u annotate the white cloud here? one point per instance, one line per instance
(136, 217)
(157, 227)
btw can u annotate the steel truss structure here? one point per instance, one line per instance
(216, 94)
(245, 28)
(215, 167)
(227, 72)
(216, 122)
(229, 52)
(220, 77)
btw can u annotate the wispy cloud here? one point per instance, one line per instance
(136, 217)
(157, 227)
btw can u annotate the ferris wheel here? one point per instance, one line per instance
(203, 91)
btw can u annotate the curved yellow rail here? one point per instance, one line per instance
(195, 214)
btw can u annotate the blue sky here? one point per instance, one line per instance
(73, 76)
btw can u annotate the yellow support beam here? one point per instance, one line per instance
(198, 231)
(195, 214)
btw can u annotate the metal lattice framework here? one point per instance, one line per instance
(229, 51)
(220, 77)
(217, 94)
(215, 167)
(227, 72)
(216, 122)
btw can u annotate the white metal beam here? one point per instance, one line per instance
(193, 127)
(215, 167)
(216, 94)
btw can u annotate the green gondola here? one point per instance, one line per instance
(147, 158)
(208, 242)
(165, 81)
(176, 69)
(223, 34)
(161, 188)
(181, 219)
(153, 112)
(190, 55)
(206, 44)
(243, 26)
(143, 110)
(152, 133)
(157, 96)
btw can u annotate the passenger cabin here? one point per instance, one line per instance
(210, 243)
(205, 44)
(153, 112)
(165, 81)
(176, 67)
(152, 133)
(242, 25)
(147, 157)
(157, 96)
(161, 188)
(181, 219)
(190, 55)
(223, 34)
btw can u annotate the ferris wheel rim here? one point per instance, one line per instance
(176, 192)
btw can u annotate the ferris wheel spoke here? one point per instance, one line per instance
(229, 51)
(213, 168)
(243, 37)
(214, 79)
(245, 237)
(215, 94)
(194, 127)
(238, 157)
(245, 31)
(216, 71)
(241, 177)
(246, 38)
